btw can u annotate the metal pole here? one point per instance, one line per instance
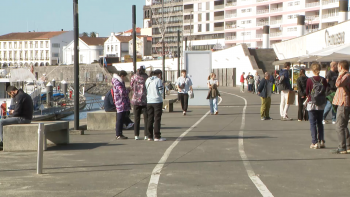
(39, 165)
(178, 53)
(191, 17)
(76, 64)
(134, 36)
(163, 48)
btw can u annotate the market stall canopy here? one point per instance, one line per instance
(291, 60)
(21, 74)
(333, 53)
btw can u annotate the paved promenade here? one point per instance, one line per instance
(231, 154)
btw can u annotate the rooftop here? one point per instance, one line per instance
(31, 35)
(93, 40)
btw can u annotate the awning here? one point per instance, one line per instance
(291, 60)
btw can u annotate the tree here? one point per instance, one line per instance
(85, 34)
(93, 34)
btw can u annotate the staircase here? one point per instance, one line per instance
(264, 59)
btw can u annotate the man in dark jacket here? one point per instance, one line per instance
(285, 87)
(331, 78)
(22, 112)
(265, 91)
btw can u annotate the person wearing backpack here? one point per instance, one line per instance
(331, 78)
(342, 100)
(316, 101)
(184, 85)
(285, 87)
(154, 87)
(301, 84)
(139, 100)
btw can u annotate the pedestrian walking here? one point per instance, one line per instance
(213, 93)
(331, 78)
(316, 101)
(250, 83)
(256, 82)
(342, 100)
(301, 84)
(139, 101)
(277, 77)
(265, 92)
(285, 87)
(242, 82)
(121, 101)
(154, 87)
(184, 85)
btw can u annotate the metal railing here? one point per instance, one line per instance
(326, 2)
(221, 6)
(258, 1)
(231, 15)
(219, 28)
(313, 17)
(330, 15)
(231, 26)
(262, 23)
(276, 9)
(219, 17)
(312, 4)
(231, 3)
(230, 38)
(258, 36)
(274, 22)
(275, 34)
(262, 11)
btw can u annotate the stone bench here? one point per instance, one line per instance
(168, 104)
(101, 120)
(24, 137)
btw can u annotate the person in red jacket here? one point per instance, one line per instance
(242, 82)
(3, 109)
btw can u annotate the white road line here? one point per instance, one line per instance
(153, 183)
(255, 179)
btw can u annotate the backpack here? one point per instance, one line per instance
(318, 92)
(280, 80)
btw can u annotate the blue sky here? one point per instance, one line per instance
(101, 16)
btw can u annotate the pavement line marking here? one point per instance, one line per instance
(153, 183)
(255, 179)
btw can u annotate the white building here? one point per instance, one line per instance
(117, 46)
(232, 22)
(33, 48)
(143, 46)
(90, 50)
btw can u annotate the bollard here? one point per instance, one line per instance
(39, 166)
(49, 94)
(64, 87)
(53, 82)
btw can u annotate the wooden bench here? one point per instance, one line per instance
(101, 120)
(168, 104)
(24, 137)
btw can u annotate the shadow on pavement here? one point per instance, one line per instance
(216, 137)
(79, 146)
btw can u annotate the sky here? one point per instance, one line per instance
(100, 16)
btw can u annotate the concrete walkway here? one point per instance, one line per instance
(231, 154)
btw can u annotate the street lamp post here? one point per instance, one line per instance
(76, 64)
(163, 48)
(191, 18)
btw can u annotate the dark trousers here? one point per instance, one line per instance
(184, 101)
(154, 112)
(137, 116)
(341, 126)
(250, 87)
(302, 113)
(316, 126)
(126, 120)
(119, 123)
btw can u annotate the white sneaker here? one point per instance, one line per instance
(324, 122)
(333, 122)
(137, 138)
(146, 138)
(160, 139)
(130, 125)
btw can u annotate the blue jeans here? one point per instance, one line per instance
(316, 126)
(213, 102)
(10, 121)
(328, 108)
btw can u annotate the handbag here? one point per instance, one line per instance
(191, 94)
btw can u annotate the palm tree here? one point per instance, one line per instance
(85, 34)
(93, 34)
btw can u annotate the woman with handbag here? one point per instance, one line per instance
(184, 85)
(301, 84)
(213, 93)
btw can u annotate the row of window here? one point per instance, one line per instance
(207, 6)
(27, 55)
(294, 3)
(35, 44)
(110, 48)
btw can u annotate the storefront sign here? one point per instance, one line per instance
(334, 39)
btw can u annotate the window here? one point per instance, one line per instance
(208, 26)
(208, 16)
(10, 45)
(249, 9)
(243, 10)
(81, 58)
(47, 44)
(55, 45)
(199, 6)
(297, 3)
(4, 45)
(112, 48)
(291, 29)
(296, 15)
(116, 47)
(15, 45)
(36, 44)
(107, 47)
(31, 44)
(41, 44)
(290, 16)
(290, 4)
(25, 45)
(242, 22)
(20, 45)
(208, 5)
(199, 17)
(245, 33)
(249, 21)
(199, 27)
(54, 54)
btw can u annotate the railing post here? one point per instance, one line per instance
(39, 167)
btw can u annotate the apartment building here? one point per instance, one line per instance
(173, 17)
(219, 24)
(33, 48)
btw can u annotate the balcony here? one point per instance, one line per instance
(219, 17)
(187, 31)
(312, 4)
(231, 15)
(188, 11)
(230, 38)
(188, 21)
(233, 26)
(326, 2)
(276, 9)
(259, 1)
(258, 36)
(217, 7)
(262, 23)
(276, 22)
(231, 4)
(275, 34)
(330, 15)
(262, 11)
(219, 28)
(312, 17)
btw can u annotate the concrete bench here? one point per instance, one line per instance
(24, 137)
(101, 120)
(168, 104)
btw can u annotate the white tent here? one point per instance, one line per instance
(333, 53)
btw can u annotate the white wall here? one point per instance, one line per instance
(87, 54)
(63, 40)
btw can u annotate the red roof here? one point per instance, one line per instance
(31, 35)
(138, 30)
